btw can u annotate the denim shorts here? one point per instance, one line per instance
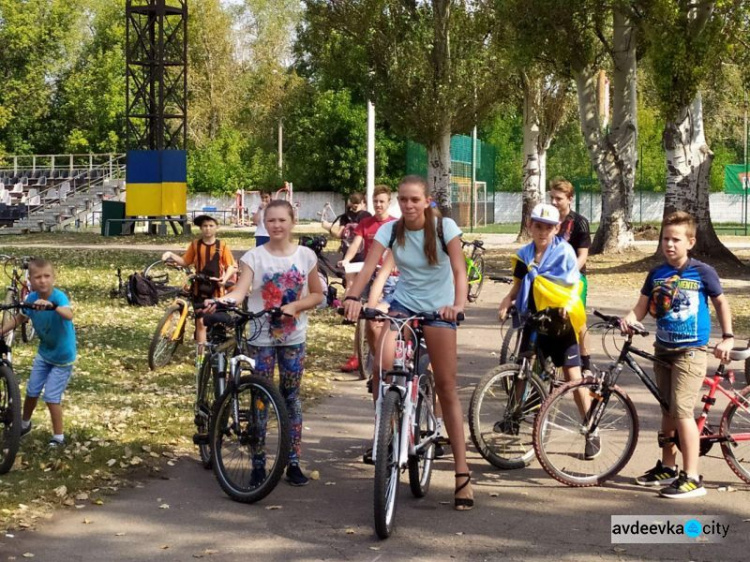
(52, 378)
(399, 310)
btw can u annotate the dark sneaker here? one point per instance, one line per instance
(439, 451)
(367, 457)
(257, 477)
(509, 426)
(660, 475)
(295, 477)
(25, 431)
(684, 488)
(593, 446)
(56, 444)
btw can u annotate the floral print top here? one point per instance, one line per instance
(279, 280)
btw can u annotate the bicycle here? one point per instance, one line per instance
(560, 429)
(330, 274)
(407, 428)
(17, 292)
(170, 330)
(506, 400)
(10, 398)
(249, 425)
(474, 268)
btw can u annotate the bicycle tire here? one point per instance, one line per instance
(10, 418)
(420, 465)
(510, 345)
(733, 417)
(204, 410)
(386, 465)
(560, 450)
(475, 285)
(163, 344)
(27, 328)
(493, 402)
(240, 445)
(363, 349)
(6, 316)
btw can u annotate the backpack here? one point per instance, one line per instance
(141, 291)
(440, 234)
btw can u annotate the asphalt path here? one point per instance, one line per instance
(520, 515)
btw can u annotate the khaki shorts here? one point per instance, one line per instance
(680, 384)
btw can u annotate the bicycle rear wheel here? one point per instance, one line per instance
(10, 418)
(476, 279)
(501, 415)
(735, 424)
(386, 465)
(420, 465)
(164, 342)
(560, 436)
(510, 348)
(203, 411)
(363, 349)
(6, 316)
(250, 439)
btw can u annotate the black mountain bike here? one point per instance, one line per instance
(249, 426)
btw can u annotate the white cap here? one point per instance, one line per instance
(545, 213)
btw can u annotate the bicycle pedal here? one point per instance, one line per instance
(200, 439)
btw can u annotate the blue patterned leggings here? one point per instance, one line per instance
(291, 360)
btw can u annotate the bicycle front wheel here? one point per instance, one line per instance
(10, 418)
(386, 464)
(735, 425)
(250, 439)
(363, 349)
(204, 402)
(501, 415)
(560, 434)
(420, 465)
(510, 348)
(476, 279)
(27, 328)
(165, 340)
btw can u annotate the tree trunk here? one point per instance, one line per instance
(614, 153)
(534, 156)
(689, 162)
(439, 171)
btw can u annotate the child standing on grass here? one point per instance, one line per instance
(53, 364)
(676, 293)
(280, 274)
(212, 258)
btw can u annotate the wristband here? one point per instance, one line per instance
(351, 298)
(727, 336)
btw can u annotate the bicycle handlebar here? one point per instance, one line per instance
(614, 321)
(375, 314)
(225, 307)
(26, 306)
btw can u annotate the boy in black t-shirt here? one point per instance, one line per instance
(343, 226)
(574, 229)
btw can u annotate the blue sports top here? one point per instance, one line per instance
(687, 323)
(57, 337)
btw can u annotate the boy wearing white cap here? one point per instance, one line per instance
(546, 276)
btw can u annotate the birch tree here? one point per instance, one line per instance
(577, 38)
(429, 66)
(689, 42)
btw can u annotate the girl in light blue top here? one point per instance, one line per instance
(433, 278)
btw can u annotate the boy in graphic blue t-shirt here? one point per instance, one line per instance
(676, 293)
(53, 364)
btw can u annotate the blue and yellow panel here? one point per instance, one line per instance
(157, 183)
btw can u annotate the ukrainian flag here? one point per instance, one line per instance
(156, 183)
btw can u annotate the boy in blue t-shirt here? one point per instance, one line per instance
(53, 364)
(676, 293)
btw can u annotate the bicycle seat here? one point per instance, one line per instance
(479, 243)
(739, 354)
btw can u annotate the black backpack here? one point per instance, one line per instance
(141, 291)
(439, 229)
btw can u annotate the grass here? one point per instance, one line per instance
(120, 418)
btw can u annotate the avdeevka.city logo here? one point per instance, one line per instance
(668, 528)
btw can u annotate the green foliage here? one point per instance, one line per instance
(218, 166)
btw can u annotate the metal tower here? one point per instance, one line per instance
(156, 74)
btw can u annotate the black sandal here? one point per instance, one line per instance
(463, 504)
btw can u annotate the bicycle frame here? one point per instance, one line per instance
(473, 274)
